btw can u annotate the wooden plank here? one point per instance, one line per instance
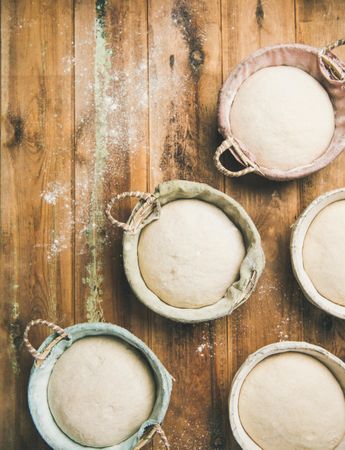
(145, 76)
(91, 157)
(111, 146)
(184, 78)
(318, 24)
(36, 209)
(273, 312)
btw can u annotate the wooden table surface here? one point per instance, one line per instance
(100, 97)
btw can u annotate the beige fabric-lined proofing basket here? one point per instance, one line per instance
(148, 209)
(298, 234)
(334, 364)
(323, 65)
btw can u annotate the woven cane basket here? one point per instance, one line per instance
(323, 66)
(334, 364)
(148, 210)
(298, 234)
(48, 354)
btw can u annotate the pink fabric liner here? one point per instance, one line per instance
(308, 59)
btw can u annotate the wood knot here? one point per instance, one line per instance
(197, 58)
(172, 61)
(259, 14)
(183, 17)
(14, 126)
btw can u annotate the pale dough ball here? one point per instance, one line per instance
(292, 401)
(191, 255)
(324, 252)
(284, 117)
(100, 391)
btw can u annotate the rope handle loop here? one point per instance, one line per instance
(335, 70)
(333, 45)
(228, 144)
(36, 354)
(149, 435)
(148, 199)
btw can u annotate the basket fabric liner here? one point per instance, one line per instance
(299, 231)
(250, 270)
(334, 364)
(39, 378)
(303, 57)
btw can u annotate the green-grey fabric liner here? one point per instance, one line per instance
(237, 293)
(39, 378)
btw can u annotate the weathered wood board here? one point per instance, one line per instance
(104, 96)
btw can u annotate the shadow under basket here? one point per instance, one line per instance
(334, 364)
(148, 209)
(48, 354)
(323, 66)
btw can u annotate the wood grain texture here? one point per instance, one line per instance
(184, 78)
(273, 312)
(104, 96)
(36, 209)
(321, 24)
(111, 150)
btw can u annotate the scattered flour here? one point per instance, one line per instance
(58, 245)
(54, 191)
(283, 325)
(209, 341)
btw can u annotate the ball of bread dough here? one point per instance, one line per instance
(283, 116)
(292, 401)
(191, 255)
(100, 391)
(324, 252)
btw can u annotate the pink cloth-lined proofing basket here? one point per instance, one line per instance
(323, 65)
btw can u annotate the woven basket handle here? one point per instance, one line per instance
(227, 145)
(335, 70)
(149, 201)
(149, 435)
(39, 357)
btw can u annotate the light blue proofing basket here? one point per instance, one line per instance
(40, 374)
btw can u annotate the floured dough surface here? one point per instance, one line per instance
(100, 391)
(283, 116)
(191, 255)
(324, 252)
(292, 401)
